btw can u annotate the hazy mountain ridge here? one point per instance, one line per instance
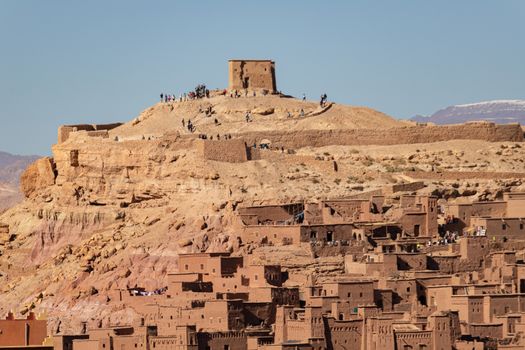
(497, 111)
(11, 167)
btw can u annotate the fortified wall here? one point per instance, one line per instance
(394, 136)
(97, 130)
(237, 150)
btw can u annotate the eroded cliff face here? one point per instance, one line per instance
(113, 209)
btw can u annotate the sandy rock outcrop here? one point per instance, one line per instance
(38, 175)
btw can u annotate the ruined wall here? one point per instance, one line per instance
(4, 234)
(65, 130)
(271, 214)
(393, 136)
(252, 75)
(231, 151)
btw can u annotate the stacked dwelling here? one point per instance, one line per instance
(499, 219)
(402, 286)
(392, 224)
(214, 301)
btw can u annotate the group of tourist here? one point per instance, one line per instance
(447, 238)
(217, 137)
(199, 92)
(237, 94)
(139, 292)
(168, 98)
(189, 125)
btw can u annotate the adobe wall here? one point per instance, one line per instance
(411, 261)
(515, 204)
(20, 332)
(65, 130)
(270, 213)
(508, 227)
(276, 235)
(413, 339)
(393, 136)
(345, 210)
(407, 187)
(447, 264)
(231, 151)
(463, 175)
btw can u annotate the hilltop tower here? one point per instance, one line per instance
(252, 75)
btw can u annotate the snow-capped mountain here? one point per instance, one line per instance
(498, 111)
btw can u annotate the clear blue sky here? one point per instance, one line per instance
(64, 61)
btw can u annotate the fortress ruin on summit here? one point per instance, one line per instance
(252, 75)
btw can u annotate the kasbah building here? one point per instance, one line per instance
(430, 275)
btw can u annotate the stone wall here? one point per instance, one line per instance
(65, 130)
(393, 136)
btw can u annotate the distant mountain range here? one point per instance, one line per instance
(11, 167)
(497, 111)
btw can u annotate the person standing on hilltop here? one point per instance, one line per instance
(304, 97)
(324, 98)
(161, 97)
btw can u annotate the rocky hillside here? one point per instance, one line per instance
(113, 209)
(498, 111)
(11, 167)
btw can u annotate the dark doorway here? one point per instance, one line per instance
(522, 285)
